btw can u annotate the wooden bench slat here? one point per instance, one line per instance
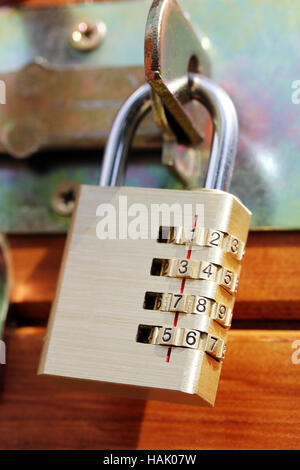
(258, 404)
(268, 288)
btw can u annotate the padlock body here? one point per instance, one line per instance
(141, 309)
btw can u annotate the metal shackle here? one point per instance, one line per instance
(224, 142)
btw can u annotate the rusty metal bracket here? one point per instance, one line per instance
(64, 92)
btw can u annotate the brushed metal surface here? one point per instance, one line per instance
(98, 306)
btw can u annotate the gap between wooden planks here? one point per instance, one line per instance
(268, 287)
(258, 404)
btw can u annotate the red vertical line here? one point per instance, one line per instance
(168, 354)
(188, 256)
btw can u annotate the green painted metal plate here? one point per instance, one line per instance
(254, 48)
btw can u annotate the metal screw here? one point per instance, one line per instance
(63, 201)
(87, 35)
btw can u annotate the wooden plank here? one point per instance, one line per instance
(258, 404)
(257, 407)
(268, 288)
(35, 264)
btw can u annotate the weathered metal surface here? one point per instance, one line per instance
(254, 48)
(61, 97)
(57, 109)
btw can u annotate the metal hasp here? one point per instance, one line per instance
(172, 51)
(224, 143)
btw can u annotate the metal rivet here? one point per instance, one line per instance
(23, 138)
(63, 201)
(87, 35)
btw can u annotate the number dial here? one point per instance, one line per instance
(165, 268)
(236, 247)
(162, 302)
(169, 336)
(203, 237)
(202, 270)
(228, 279)
(190, 304)
(188, 338)
(179, 337)
(208, 271)
(191, 339)
(222, 315)
(178, 302)
(185, 268)
(214, 238)
(201, 305)
(215, 347)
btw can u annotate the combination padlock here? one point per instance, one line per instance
(147, 285)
